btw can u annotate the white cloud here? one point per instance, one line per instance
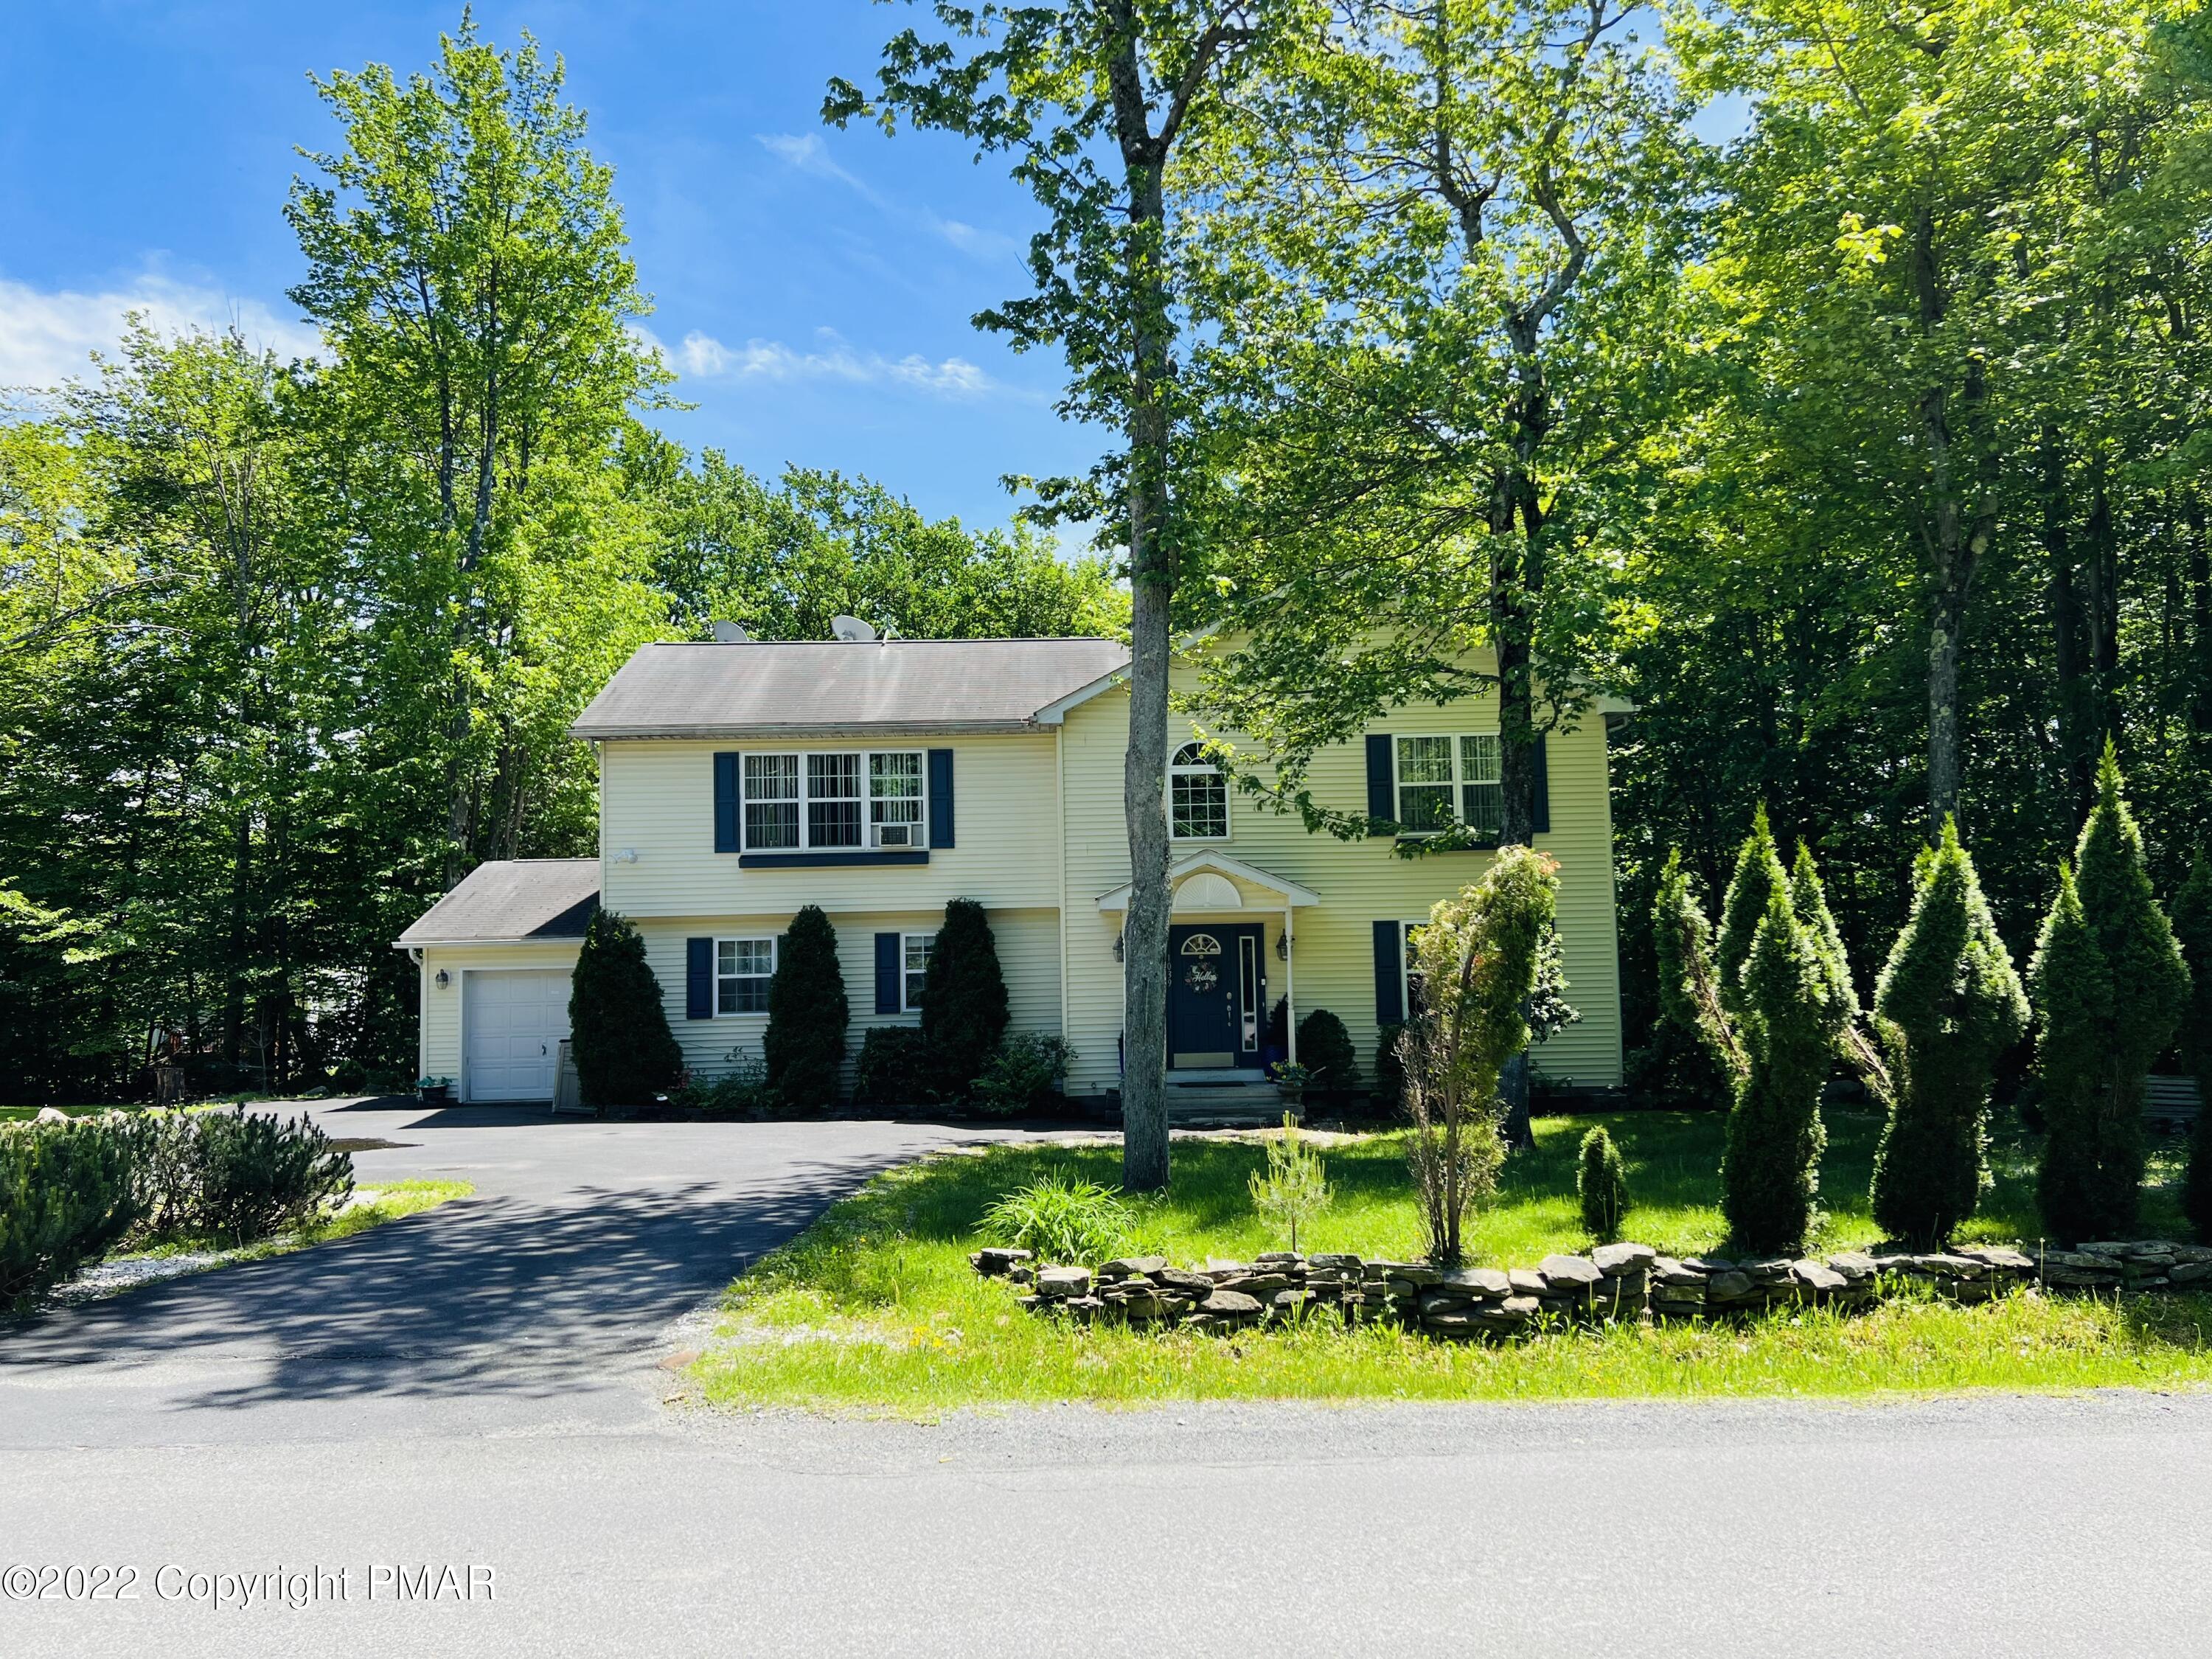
(48, 335)
(805, 152)
(705, 357)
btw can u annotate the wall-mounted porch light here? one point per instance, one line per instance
(444, 979)
(1283, 943)
(1117, 947)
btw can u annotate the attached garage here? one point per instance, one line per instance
(513, 1021)
(495, 957)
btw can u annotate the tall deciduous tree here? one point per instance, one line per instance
(1091, 99)
(469, 268)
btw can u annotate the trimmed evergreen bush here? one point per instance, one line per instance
(1770, 1174)
(893, 1069)
(807, 1015)
(66, 1197)
(618, 1032)
(2193, 929)
(1325, 1050)
(2093, 1160)
(1947, 1005)
(1601, 1184)
(2071, 990)
(1758, 876)
(964, 1000)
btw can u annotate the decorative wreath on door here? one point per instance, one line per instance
(1201, 977)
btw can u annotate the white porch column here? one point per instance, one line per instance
(1289, 986)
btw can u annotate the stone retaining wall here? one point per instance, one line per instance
(1613, 1282)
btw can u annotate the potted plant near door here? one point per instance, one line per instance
(1290, 1080)
(435, 1090)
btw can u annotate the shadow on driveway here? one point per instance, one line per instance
(487, 1294)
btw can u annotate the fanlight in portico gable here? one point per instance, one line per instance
(1208, 891)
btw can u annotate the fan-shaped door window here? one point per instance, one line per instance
(1198, 797)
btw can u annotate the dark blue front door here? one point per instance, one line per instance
(1217, 995)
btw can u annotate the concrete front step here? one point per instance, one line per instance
(1218, 1103)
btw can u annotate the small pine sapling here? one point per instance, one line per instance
(1294, 1187)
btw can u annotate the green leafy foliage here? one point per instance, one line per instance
(1947, 1005)
(66, 1196)
(964, 1000)
(1478, 955)
(1024, 1073)
(618, 1029)
(807, 1015)
(1294, 1186)
(1062, 1219)
(1325, 1050)
(1602, 1186)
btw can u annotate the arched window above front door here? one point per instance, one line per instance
(1198, 797)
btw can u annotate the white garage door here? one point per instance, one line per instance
(516, 1018)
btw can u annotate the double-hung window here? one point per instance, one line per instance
(742, 969)
(1198, 797)
(836, 801)
(1447, 781)
(1409, 968)
(916, 954)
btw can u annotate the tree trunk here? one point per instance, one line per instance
(2076, 746)
(1152, 562)
(2200, 615)
(2104, 608)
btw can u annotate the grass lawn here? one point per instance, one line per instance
(876, 1307)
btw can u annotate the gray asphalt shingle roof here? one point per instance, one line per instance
(793, 688)
(513, 899)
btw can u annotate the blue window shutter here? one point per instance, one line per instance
(1382, 779)
(890, 966)
(1542, 821)
(1390, 968)
(940, 797)
(725, 803)
(698, 979)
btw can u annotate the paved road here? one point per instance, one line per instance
(476, 1389)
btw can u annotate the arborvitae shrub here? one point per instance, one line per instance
(963, 999)
(2192, 927)
(1947, 1005)
(618, 1031)
(1691, 1007)
(807, 1015)
(1769, 1174)
(2071, 988)
(1325, 1049)
(1601, 1183)
(1758, 876)
(2150, 990)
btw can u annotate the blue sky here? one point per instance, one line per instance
(813, 288)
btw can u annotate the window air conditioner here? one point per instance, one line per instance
(893, 835)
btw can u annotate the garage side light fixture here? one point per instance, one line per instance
(444, 979)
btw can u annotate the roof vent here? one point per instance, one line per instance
(851, 628)
(730, 633)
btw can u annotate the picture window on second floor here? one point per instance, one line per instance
(1447, 781)
(1198, 797)
(838, 801)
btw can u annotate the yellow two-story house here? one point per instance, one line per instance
(879, 779)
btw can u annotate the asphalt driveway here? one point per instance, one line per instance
(552, 1289)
